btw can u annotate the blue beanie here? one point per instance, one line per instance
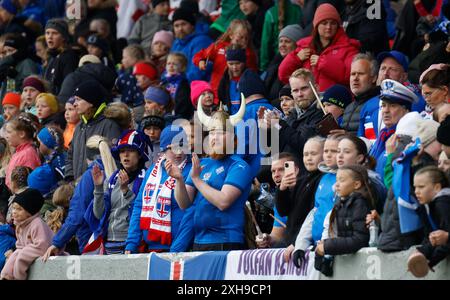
(42, 179)
(251, 84)
(46, 138)
(9, 6)
(236, 55)
(157, 95)
(171, 135)
(338, 95)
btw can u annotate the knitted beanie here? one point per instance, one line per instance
(250, 84)
(50, 99)
(90, 91)
(293, 32)
(197, 88)
(143, 68)
(163, 36)
(324, 12)
(12, 99)
(59, 25)
(338, 95)
(33, 82)
(443, 133)
(30, 199)
(157, 95)
(183, 14)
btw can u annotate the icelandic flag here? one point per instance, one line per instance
(206, 266)
(94, 246)
(401, 186)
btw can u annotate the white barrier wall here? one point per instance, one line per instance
(368, 263)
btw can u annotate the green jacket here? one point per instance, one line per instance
(230, 11)
(269, 42)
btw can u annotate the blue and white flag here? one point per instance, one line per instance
(401, 186)
(206, 266)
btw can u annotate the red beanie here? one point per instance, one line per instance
(324, 12)
(145, 69)
(11, 98)
(197, 88)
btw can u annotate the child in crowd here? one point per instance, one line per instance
(110, 212)
(33, 235)
(19, 177)
(61, 200)
(311, 230)
(72, 119)
(45, 178)
(157, 98)
(228, 91)
(5, 156)
(32, 86)
(293, 186)
(20, 134)
(99, 47)
(41, 52)
(11, 106)
(48, 110)
(347, 232)
(335, 99)
(161, 44)
(202, 88)
(432, 191)
(213, 58)
(175, 81)
(286, 102)
(126, 83)
(146, 75)
(152, 125)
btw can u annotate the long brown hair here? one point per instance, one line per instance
(358, 173)
(361, 148)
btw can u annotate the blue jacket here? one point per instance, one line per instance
(100, 227)
(135, 234)
(131, 94)
(75, 222)
(324, 202)
(368, 119)
(189, 46)
(7, 242)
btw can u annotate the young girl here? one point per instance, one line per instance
(11, 106)
(202, 88)
(20, 134)
(212, 59)
(433, 192)
(347, 231)
(72, 119)
(45, 178)
(48, 111)
(19, 177)
(161, 44)
(41, 52)
(5, 156)
(175, 81)
(444, 162)
(31, 88)
(33, 235)
(110, 212)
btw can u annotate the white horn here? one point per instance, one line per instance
(237, 117)
(204, 119)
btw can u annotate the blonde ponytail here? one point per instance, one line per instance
(102, 144)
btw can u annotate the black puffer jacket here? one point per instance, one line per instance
(296, 204)
(352, 233)
(103, 74)
(440, 214)
(350, 120)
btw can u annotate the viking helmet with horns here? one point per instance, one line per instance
(218, 120)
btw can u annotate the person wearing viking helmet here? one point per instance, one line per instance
(217, 187)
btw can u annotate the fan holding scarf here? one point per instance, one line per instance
(156, 216)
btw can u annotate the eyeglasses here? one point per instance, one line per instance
(429, 94)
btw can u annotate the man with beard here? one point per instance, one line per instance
(217, 187)
(301, 123)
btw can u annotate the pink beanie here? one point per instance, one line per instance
(166, 37)
(324, 12)
(197, 88)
